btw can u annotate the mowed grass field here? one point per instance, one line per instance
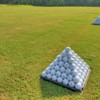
(31, 38)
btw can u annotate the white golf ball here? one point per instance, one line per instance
(61, 63)
(69, 54)
(63, 54)
(74, 72)
(71, 84)
(66, 65)
(84, 73)
(85, 70)
(49, 76)
(71, 60)
(82, 60)
(62, 69)
(80, 71)
(79, 74)
(54, 78)
(65, 59)
(82, 77)
(48, 70)
(74, 56)
(51, 66)
(75, 62)
(44, 74)
(81, 81)
(56, 67)
(73, 52)
(53, 72)
(76, 79)
(59, 57)
(64, 75)
(70, 77)
(65, 81)
(58, 73)
(82, 68)
(55, 62)
(68, 49)
(73, 66)
(59, 79)
(68, 71)
(78, 65)
(78, 86)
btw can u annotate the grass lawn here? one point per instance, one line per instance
(30, 39)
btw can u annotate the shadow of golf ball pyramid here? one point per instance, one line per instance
(67, 70)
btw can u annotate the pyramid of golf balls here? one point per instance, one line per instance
(68, 69)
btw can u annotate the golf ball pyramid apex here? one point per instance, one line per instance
(68, 70)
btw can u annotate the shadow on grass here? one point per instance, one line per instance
(49, 89)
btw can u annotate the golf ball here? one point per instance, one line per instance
(71, 84)
(49, 76)
(56, 67)
(65, 59)
(48, 70)
(55, 62)
(79, 74)
(74, 72)
(70, 77)
(54, 78)
(44, 74)
(53, 72)
(51, 66)
(81, 81)
(63, 54)
(72, 51)
(59, 79)
(61, 63)
(71, 60)
(66, 65)
(62, 69)
(65, 81)
(59, 57)
(68, 71)
(63, 75)
(78, 86)
(73, 66)
(68, 49)
(76, 79)
(69, 54)
(58, 73)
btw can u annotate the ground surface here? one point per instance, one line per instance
(30, 39)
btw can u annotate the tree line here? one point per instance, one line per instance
(54, 2)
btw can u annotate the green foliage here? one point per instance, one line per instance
(54, 2)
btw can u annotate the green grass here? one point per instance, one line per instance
(30, 39)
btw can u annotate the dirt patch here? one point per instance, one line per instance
(4, 97)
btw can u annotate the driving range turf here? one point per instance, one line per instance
(31, 38)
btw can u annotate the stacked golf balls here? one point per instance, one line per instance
(68, 69)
